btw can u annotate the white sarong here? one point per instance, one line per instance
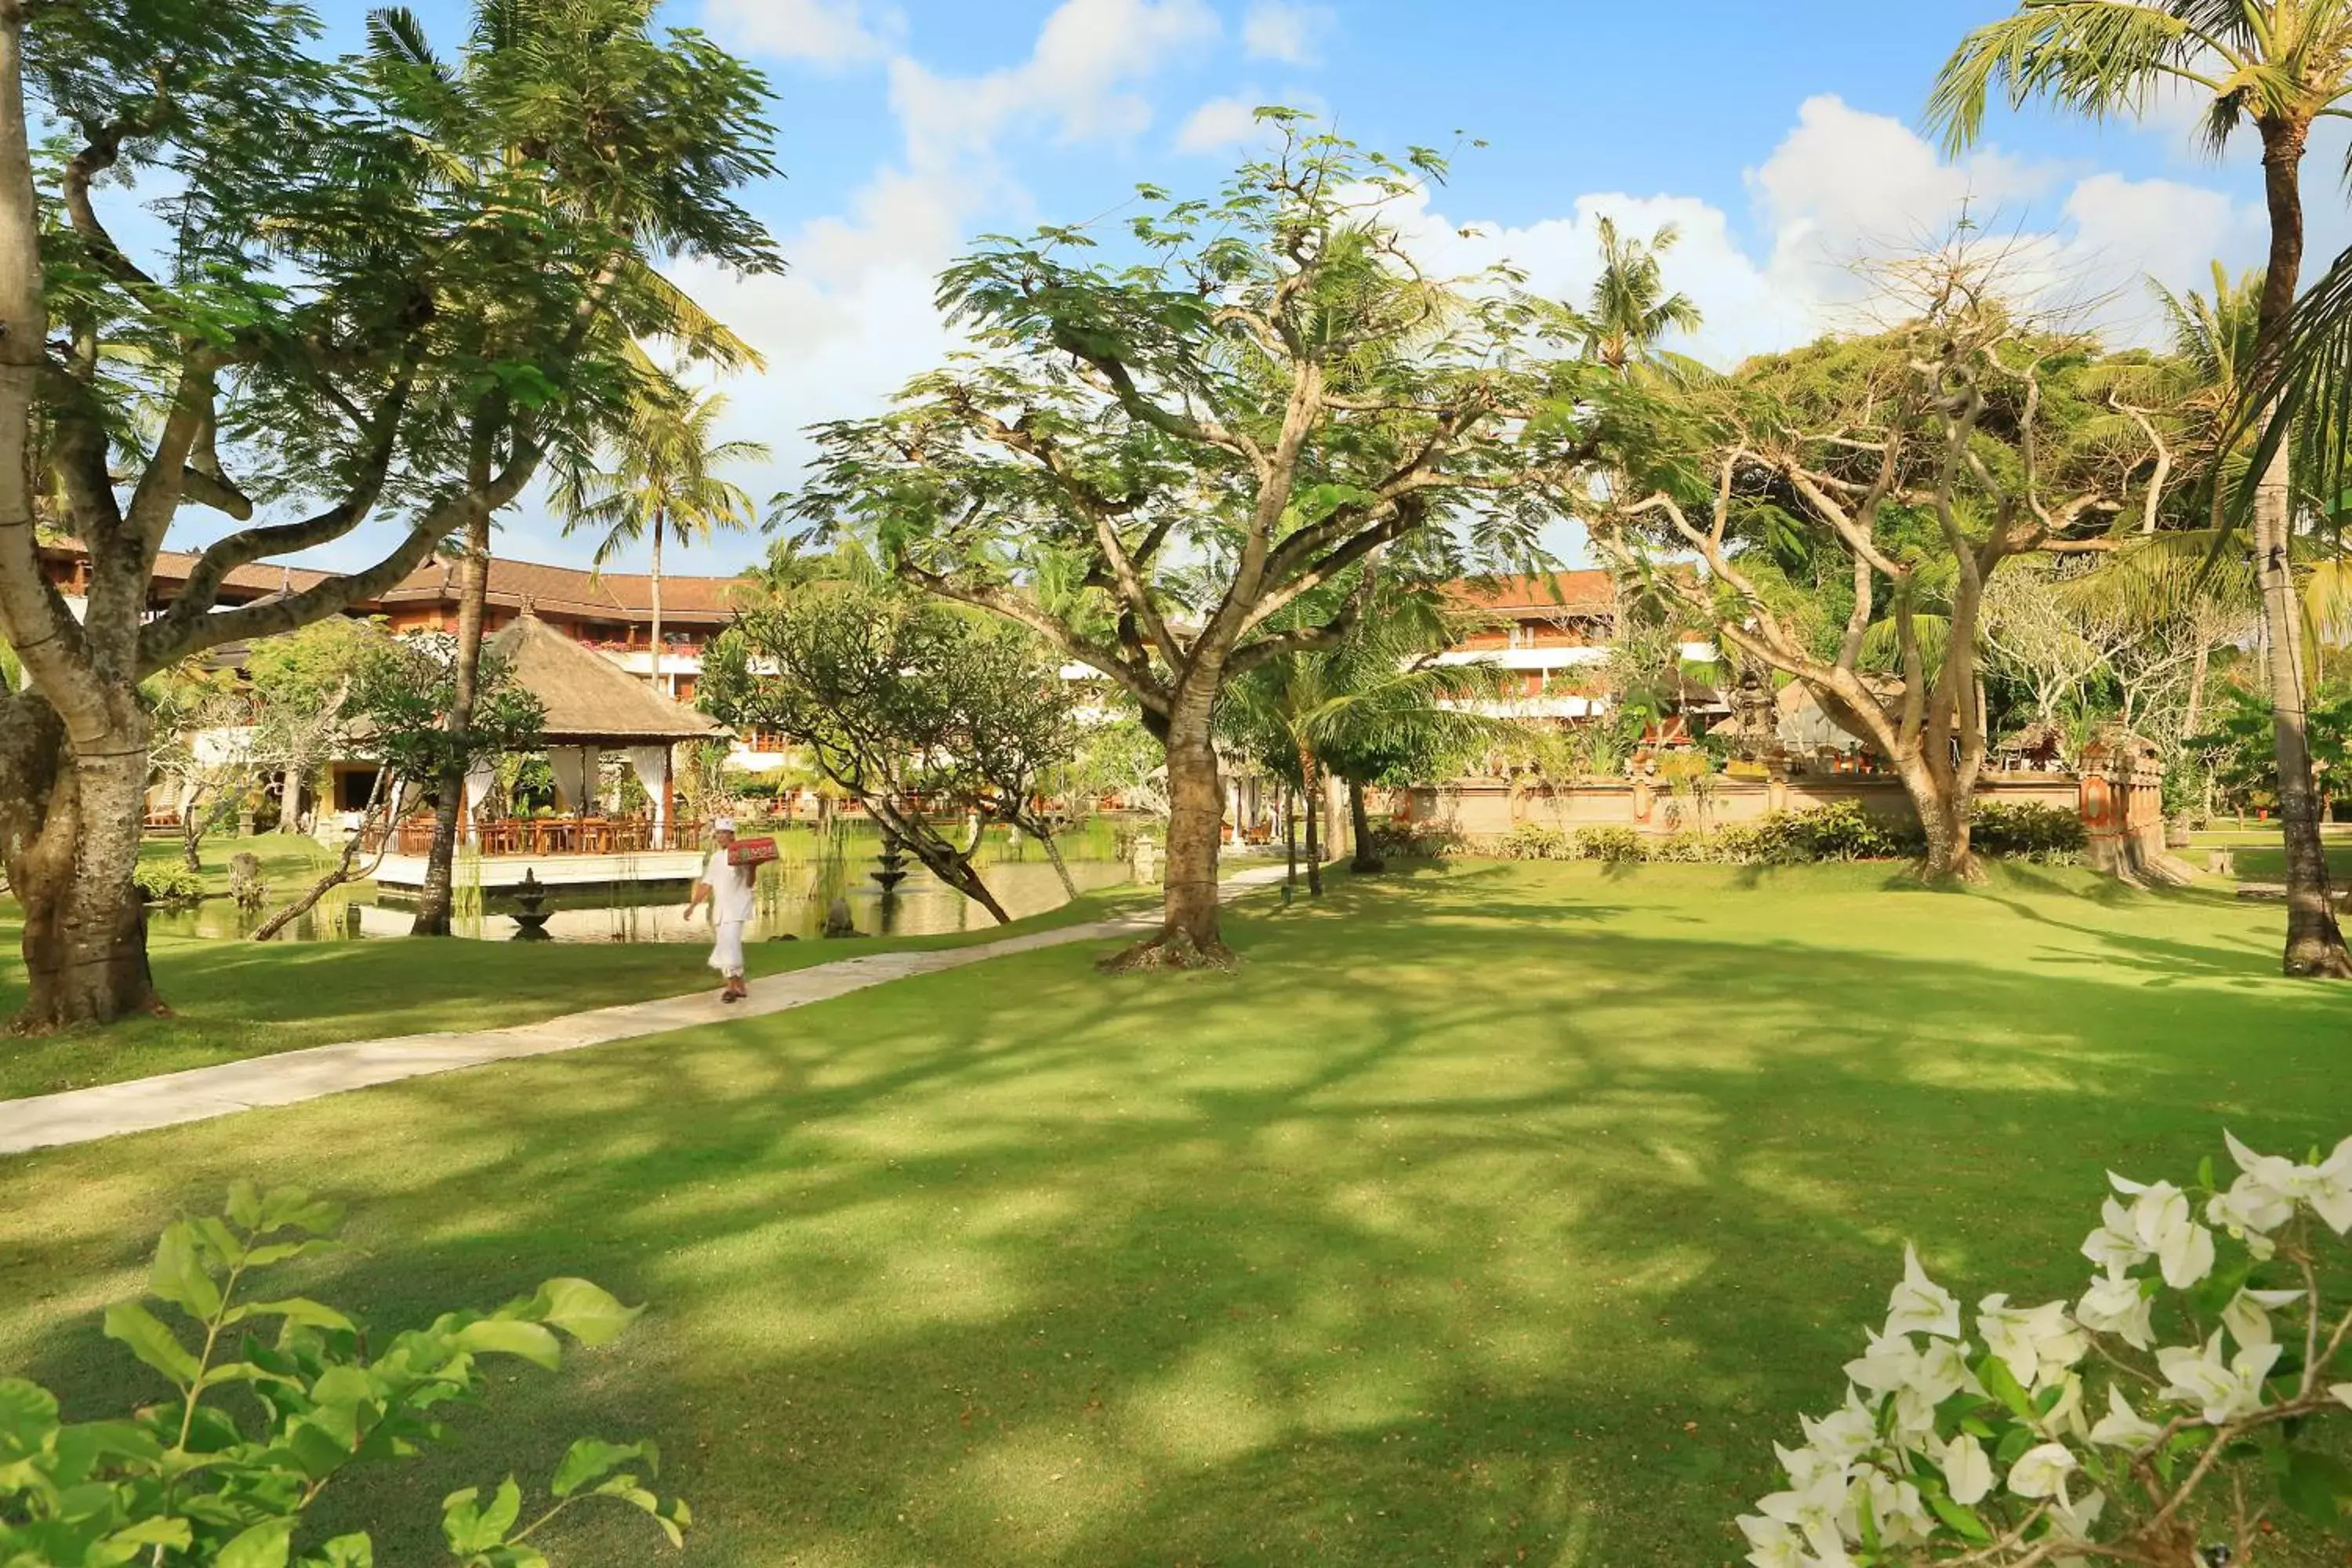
(727, 948)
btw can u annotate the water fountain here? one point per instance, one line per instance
(893, 861)
(530, 920)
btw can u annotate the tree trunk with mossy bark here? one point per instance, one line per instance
(436, 899)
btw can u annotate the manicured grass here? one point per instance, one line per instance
(2267, 863)
(1497, 1215)
(233, 999)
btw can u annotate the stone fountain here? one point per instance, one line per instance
(530, 920)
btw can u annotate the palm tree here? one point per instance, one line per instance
(2279, 67)
(664, 484)
(1631, 312)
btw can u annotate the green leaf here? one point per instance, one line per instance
(344, 1552)
(29, 1413)
(469, 1528)
(506, 1336)
(592, 1458)
(179, 1275)
(157, 1531)
(1963, 1520)
(296, 1309)
(245, 1205)
(673, 1517)
(265, 1545)
(2002, 1384)
(585, 1312)
(151, 1342)
(2316, 1486)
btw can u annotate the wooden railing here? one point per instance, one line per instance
(554, 835)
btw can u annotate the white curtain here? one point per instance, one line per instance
(651, 764)
(574, 767)
(479, 778)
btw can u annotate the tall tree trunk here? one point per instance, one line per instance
(2193, 721)
(1289, 847)
(434, 900)
(653, 581)
(85, 935)
(1061, 868)
(1189, 936)
(2315, 944)
(191, 829)
(1313, 774)
(1944, 818)
(1360, 823)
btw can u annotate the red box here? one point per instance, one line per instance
(750, 851)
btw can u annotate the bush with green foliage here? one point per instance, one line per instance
(2026, 831)
(1417, 840)
(1616, 845)
(163, 882)
(1528, 841)
(200, 1480)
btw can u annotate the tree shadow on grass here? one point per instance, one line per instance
(1410, 1244)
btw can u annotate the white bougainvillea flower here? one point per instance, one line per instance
(2166, 1226)
(1891, 1362)
(2072, 1519)
(1968, 1471)
(1803, 1465)
(2115, 1246)
(1812, 1511)
(2325, 1187)
(2221, 1391)
(2248, 1315)
(1943, 1371)
(2118, 1304)
(2038, 1345)
(1920, 1306)
(2041, 1472)
(1901, 1515)
(1845, 1434)
(2342, 1393)
(2329, 1189)
(2124, 1428)
(1772, 1544)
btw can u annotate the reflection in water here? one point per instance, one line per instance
(794, 894)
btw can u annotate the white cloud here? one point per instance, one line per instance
(830, 33)
(1846, 187)
(854, 319)
(1292, 34)
(1220, 123)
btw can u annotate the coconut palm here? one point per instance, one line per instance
(2277, 68)
(664, 484)
(1631, 312)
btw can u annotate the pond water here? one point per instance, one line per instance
(794, 894)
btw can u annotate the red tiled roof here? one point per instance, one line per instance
(173, 566)
(1557, 593)
(564, 590)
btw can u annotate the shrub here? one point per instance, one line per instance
(1528, 841)
(167, 882)
(2200, 1383)
(1616, 845)
(1844, 831)
(225, 1482)
(2026, 831)
(1415, 841)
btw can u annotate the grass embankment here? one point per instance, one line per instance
(234, 999)
(1494, 1215)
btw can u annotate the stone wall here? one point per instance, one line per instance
(1483, 808)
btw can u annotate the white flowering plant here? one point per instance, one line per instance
(2162, 1419)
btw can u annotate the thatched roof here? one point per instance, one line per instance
(591, 701)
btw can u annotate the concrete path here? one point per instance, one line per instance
(85, 1115)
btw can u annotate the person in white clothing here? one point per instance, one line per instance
(726, 888)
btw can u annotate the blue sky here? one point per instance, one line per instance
(1781, 139)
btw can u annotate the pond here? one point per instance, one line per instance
(794, 894)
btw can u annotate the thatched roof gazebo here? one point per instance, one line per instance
(593, 706)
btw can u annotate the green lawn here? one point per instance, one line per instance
(236, 999)
(1498, 1215)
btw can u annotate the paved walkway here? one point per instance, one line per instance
(199, 1094)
